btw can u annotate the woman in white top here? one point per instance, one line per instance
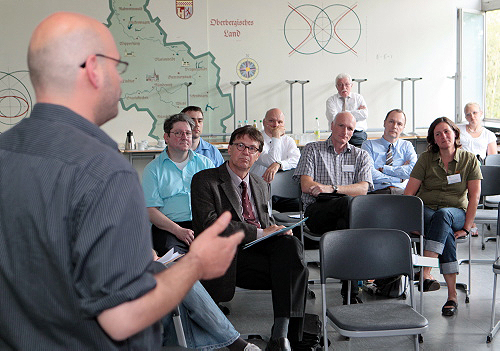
(473, 136)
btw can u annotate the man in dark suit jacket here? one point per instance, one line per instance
(275, 263)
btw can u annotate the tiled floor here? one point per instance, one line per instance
(251, 311)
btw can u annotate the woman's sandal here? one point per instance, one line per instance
(449, 308)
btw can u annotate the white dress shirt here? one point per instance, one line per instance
(282, 150)
(334, 105)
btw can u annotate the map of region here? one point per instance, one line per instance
(157, 71)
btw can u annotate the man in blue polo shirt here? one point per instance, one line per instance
(392, 158)
(199, 145)
(166, 182)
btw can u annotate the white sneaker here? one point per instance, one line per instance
(251, 347)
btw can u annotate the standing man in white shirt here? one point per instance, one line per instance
(279, 153)
(345, 100)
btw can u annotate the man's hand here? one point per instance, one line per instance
(215, 253)
(155, 256)
(362, 107)
(185, 235)
(272, 228)
(317, 189)
(278, 131)
(271, 171)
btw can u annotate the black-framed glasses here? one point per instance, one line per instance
(121, 66)
(241, 147)
(179, 133)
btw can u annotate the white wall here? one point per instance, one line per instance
(399, 38)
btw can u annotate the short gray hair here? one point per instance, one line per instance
(179, 117)
(343, 76)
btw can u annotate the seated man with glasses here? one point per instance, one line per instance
(275, 263)
(166, 182)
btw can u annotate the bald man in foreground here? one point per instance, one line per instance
(76, 267)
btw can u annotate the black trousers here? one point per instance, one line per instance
(277, 264)
(357, 138)
(325, 216)
(164, 240)
(285, 204)
(328, 215)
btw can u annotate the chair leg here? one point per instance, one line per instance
(324, 317)
(179, 330)
(468, 292)
(415, 339)
(493, 327)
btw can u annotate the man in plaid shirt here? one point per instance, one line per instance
(337, 168)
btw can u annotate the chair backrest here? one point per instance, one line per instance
(359, 254)
(492, 160)
(401, 212)
(490, 185)
(284, 185)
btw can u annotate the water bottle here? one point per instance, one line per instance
(261, 125)
(240, 124)
(317, 130)
(254, 123)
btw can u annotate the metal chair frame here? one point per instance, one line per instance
(350, 255)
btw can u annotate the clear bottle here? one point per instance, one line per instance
(240, 124)
(246, 122)
(261, 125)
(317, 134)
(254, 123)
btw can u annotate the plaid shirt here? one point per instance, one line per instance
(320, 161)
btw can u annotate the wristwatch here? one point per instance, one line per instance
(335, 188)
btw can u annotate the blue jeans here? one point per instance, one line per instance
(440, 228)
(205, 326)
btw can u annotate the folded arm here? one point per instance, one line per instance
(309, 186)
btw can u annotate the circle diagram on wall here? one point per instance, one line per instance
(335, 29)
(15, 98)
(247, 69)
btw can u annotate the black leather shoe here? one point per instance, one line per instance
(281, 344)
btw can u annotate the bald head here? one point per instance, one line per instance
(274, 123)
(73, 61)
(58, 46)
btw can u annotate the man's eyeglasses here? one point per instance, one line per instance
(179, 134)
(121, 66)
(241, 147)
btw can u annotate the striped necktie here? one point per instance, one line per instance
(388, 156)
